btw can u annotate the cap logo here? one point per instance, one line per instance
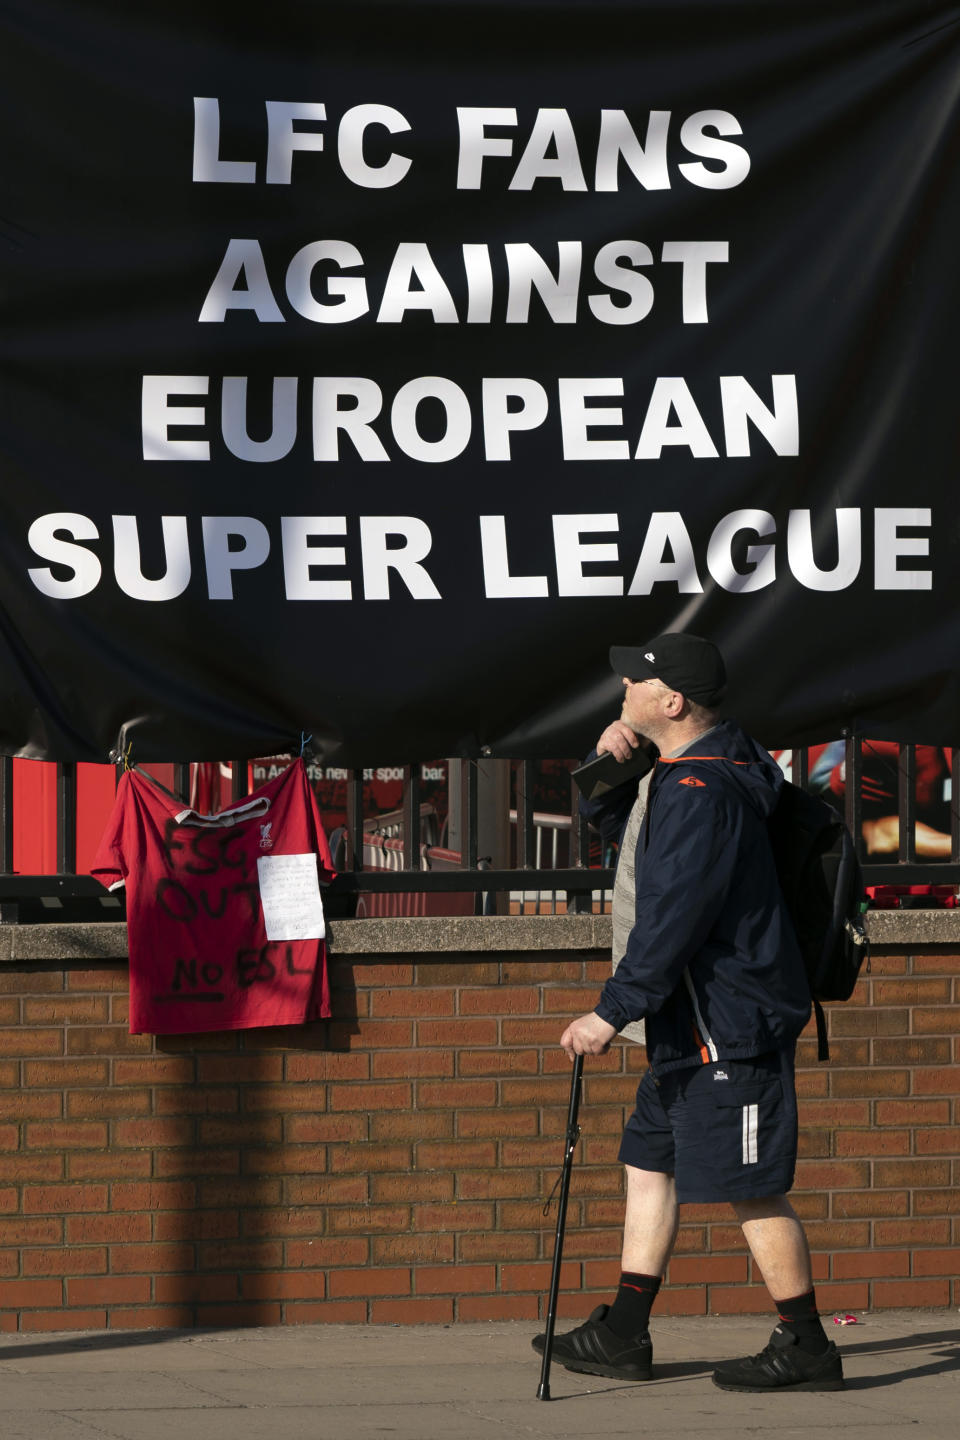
(649, 655)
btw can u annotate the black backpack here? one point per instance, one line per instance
(822, 884)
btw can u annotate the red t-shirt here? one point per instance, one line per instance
(224, 915)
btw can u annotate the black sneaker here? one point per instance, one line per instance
(783, 1366)
(593, 1349)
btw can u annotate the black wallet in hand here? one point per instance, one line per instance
(605, 772)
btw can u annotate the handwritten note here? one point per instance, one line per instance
(290, 896)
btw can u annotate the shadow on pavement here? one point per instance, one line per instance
(890, 1346)
(672, 1370)
(946, 1360)
(108, 1340)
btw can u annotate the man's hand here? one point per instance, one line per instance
(618, 740)
(590, 1035)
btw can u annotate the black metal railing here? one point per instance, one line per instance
(399, 855)
(907, 868)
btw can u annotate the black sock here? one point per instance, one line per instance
(629, 1314)
(801, 1317)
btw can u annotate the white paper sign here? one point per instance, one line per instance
(290, 896)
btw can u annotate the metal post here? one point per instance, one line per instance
(6, 815)
(579, 902)
(67, 817)
(907, 803)
(525, 825)
(181, 782)
(355, 820)
(853, 789)
(492, 811)
(238, 780)
(469, 820)
(411, 817)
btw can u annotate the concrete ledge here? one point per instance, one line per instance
(471, 933)
(76, 944)
(905, 928)
(509, 933)
(446, 935)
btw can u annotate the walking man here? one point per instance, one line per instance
(709, 961)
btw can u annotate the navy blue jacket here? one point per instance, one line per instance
(712, 962)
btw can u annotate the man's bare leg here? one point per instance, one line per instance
(614, 1340)
(649, 1233)
(799, 1355)
(650, 1227)
(778, 1244)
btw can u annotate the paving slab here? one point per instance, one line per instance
(461, 1382)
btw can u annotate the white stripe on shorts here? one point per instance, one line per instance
(750, 1134)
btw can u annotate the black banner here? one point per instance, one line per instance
(367, 370)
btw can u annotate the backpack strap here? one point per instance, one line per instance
(823, 1048)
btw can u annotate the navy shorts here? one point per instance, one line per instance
(726, 1130)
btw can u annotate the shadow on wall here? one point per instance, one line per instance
(239, 1168)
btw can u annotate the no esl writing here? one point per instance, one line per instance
(225, 916)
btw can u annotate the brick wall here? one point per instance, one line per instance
(392, 1165)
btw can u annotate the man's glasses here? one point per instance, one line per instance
(650, 680)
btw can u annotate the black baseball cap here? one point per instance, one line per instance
(686, 663)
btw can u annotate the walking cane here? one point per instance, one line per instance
(573, 1135)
